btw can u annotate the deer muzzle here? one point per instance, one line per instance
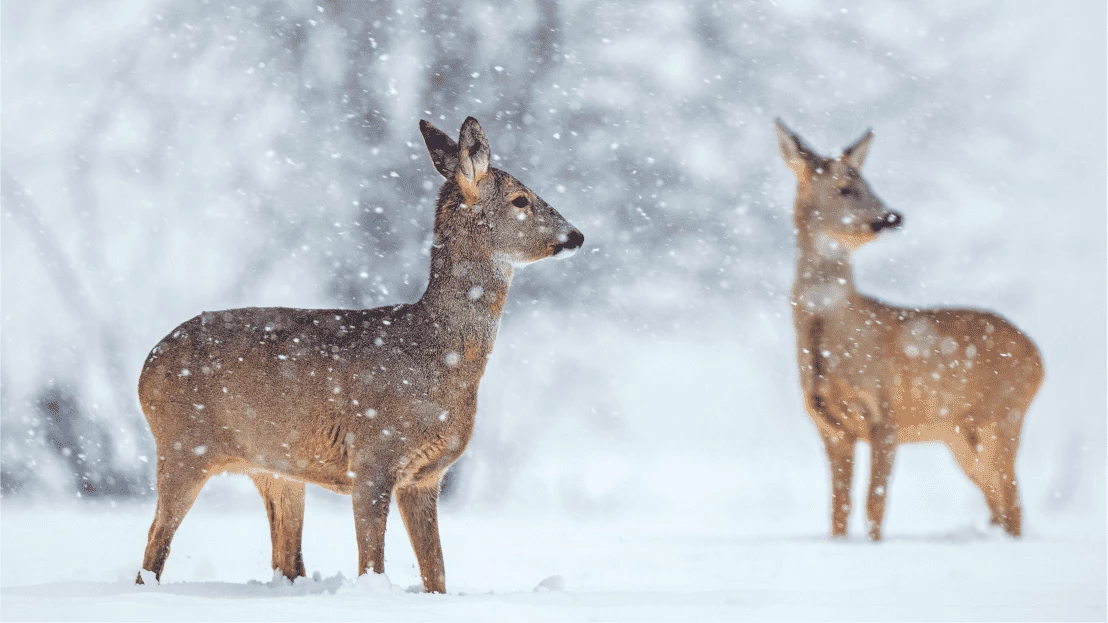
(890, 220)
(568, 244)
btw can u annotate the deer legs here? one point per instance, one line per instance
(371, 511)
(840, 456)
(284, 504)
(419, 510)
(882, 445)
(987, 454)
(177, 490)
(1011, 515)
(418, 505)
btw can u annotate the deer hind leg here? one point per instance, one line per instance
(882, 444)
(178, 486)
(284, 503)
(840, 456)
(974, 449)
(1011, 515)
(987, 454)
(1007, 444)
(419, 509)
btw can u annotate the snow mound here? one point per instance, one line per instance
(554, 583)
(374, 583)
(315, 585)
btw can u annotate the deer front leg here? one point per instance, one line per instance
(371, 511)
(419, 509)
(840, 456)
(882, 444)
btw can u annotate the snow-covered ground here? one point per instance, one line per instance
(706, 498)
(77, 562)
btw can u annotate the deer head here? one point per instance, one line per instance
(494, 210)
(833, 201)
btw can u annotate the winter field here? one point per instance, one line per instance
(655, 527)
(641, 449)
(77, 563)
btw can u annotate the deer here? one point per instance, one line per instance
(371, 403)
(888, 375)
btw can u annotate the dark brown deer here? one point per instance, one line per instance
(371, 402)
(891, 375)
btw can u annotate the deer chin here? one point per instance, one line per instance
(514, 260)
(562, 252)
(852, 241)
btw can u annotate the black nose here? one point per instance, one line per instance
(890, 220)
(574, 240)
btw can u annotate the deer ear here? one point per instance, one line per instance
(855, 155)
(443, 149)
(797, 155)
(473, 156)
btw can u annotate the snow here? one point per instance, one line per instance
(58, 565)
(641, 448)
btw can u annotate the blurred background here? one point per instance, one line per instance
(164, 158)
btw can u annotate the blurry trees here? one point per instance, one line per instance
(166, 158)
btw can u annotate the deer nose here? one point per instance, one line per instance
(889, 220)
(573, 241)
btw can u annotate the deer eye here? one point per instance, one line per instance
(521, 201)
(846, 192)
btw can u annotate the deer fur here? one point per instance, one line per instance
(370, 403)
(891, 375)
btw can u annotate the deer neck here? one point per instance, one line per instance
(467, 289)
(824, 278)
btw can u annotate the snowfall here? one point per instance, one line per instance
(641, 449)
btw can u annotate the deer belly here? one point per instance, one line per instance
(924, 405)
(427, 463)
(311, 447)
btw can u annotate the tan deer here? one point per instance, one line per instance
(368, 403)
(891, 375)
